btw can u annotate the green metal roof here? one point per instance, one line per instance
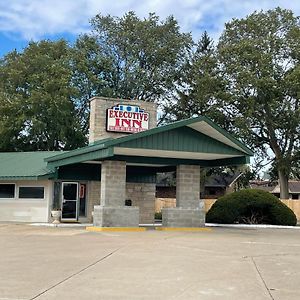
(25, 165)
(183, 139)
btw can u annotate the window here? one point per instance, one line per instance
(31, 192)
(7, 190)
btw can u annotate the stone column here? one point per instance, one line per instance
(187, 186)
(113, 181)
(189, 211)
(112, 211)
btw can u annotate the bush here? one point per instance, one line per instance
(251, 206)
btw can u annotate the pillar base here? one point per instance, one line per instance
(116, 216)
(183, 217)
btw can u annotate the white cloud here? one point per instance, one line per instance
(33, 19)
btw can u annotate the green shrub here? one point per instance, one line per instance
(251, 206)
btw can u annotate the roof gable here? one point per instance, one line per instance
(198, 136)
(180, 139)
(201, 124)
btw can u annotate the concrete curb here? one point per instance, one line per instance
(114, 229)
(183, 229)
(64, 225)
(249, 226)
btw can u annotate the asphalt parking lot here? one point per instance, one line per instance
(66, 263)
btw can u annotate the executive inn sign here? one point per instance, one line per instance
(127, 118)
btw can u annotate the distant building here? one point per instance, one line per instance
(294, 190)
(218, 185)
(274, 188)
(215, 186)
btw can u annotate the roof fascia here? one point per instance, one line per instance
(80, 157)
(233, 161)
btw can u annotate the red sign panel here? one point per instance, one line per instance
(127, 118)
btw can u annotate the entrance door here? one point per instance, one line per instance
(69, 201)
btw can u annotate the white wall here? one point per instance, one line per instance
(27, 210)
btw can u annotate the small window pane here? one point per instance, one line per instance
(31, 192)
(7, 191)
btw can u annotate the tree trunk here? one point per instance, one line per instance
(284, 185)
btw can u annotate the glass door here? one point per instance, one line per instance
(69, 201)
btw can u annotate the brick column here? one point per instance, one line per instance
(188, 186)
(189, 211)
(112, 211)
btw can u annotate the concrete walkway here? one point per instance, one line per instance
(224, 263)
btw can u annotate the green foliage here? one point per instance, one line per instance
(251, 206)
(260, 61)
(37, 112)
(199, 86)
(158, 216)
(144, 56)
(128, 58)
(90, 75)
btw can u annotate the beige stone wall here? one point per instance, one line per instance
(294, 205)
(164, 203)
(94, 197)
(143, 196)
(98, 107)
(171, 203)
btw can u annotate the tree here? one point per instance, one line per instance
(200, 87)
(140, 58)
(259, 57)
(90, 76)
(37, 112)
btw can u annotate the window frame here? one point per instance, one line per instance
(15, 191)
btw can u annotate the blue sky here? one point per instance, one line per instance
(25, 20)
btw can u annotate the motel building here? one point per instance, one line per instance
(112, 181)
